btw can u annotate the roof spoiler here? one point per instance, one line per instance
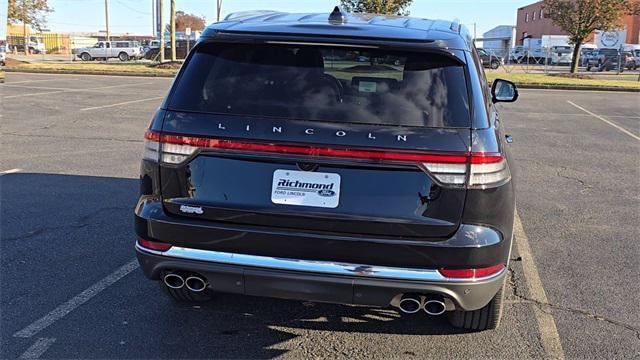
(245, 15)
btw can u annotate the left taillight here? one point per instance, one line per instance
(151, 146)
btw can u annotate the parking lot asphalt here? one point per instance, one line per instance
(70, 153)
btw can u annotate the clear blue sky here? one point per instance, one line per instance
(134, 16)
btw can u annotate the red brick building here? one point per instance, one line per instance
(532, 21)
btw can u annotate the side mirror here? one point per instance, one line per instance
(503, 91)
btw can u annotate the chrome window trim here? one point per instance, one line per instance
(312, 266)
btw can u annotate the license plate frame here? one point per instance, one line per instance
(305, 188)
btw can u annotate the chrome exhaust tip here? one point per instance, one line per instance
(410, 304)
(434, 307)
(195, 283)
(173, 281)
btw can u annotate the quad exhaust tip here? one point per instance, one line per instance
(193, 282)
(412, 303)
(434, 307)
(174, 281)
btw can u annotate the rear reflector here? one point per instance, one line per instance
(154, 245)
(471, 273)
(477, 169)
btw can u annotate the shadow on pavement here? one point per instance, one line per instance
(63, 233)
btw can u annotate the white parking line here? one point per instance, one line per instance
(10, 171)
(505, 111)
(64, 309)
(30, 81)
(38, 348)
(549, 336)
(122, 103)
(605, 120)
(35, 87)
(76, 90)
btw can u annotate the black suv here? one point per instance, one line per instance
(281, 164)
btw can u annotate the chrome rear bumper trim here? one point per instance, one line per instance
(310, 266)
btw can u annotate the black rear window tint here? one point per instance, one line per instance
(346, 85)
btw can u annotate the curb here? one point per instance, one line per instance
(521, 86)
(88, 72)
(572, 87)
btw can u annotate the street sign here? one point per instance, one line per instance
(187, 31)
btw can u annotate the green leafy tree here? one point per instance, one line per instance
(580, 18)
(393, 7)
(634, 7)
(31, 12)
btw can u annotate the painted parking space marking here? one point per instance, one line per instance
(549, 336)
(64, 309)
(31, 81)
(76, 90)
(605, 120)
(122, 103)
(565, 114)
(36, 350)
(34, 87)
(10, 171)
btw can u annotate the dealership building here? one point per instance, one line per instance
(532, 22)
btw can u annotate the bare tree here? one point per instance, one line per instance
(28, 12)
(184, 21)
(394, 7)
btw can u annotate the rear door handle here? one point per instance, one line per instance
(508, 138)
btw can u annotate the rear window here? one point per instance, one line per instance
(345, 85)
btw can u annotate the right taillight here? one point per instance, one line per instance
(488, 170)
(481, 170)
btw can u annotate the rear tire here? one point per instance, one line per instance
(123, 56)
(85, 57)
(185, 295)
(487, 318)
(495, 64)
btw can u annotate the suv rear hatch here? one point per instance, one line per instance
(345, 140)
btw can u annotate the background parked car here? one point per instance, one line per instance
(3, 54)
(629, 60)
(123, 50)
(604, 59)
(181, 50)
(35, 45)
(490, 60)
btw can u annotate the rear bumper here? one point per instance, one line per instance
(317, 280)
(472, 246)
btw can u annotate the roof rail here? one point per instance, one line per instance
(455, 25)
(244, 15)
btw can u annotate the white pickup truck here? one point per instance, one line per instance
(123, 50)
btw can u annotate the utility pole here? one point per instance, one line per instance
(106, 18)
(218, 9)
(173, 30)
(161, 14)
(24, 28)
(153, 19)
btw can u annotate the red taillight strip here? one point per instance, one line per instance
(154, 245)
(485, 158)
(152, 135)
(444, 158)
(471, 273)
